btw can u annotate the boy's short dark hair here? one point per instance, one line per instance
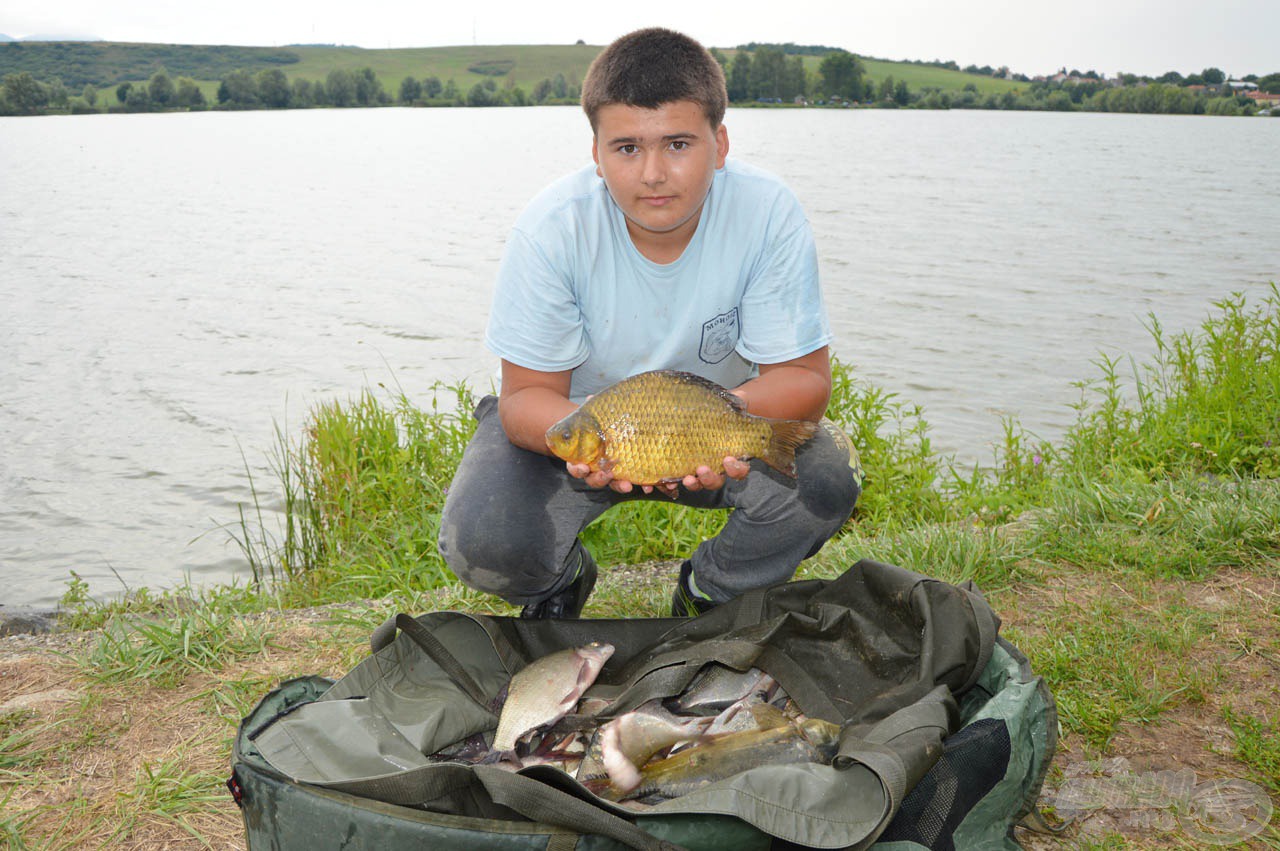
(651, 67)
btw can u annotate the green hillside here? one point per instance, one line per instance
(107, 64)
(529, 63)
(920, 77)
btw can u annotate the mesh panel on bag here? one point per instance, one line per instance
(973, 761)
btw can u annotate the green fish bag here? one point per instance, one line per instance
(945, 733)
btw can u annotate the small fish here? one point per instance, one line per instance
(724, 756)
(660, 426)
(593, 763)
(545, 690)
(632, 739)
(736, 718)
(714, 688)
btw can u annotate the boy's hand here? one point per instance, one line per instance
(600, 478)
(702, 479)
(705, 479)
(594, 478)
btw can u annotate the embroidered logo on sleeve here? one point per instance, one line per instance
(719, 337)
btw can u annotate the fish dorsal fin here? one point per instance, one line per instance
(737, 402)
(769, 716)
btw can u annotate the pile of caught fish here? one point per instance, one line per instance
(724, 722)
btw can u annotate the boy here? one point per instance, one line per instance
(664, 255)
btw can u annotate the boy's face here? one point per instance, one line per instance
(658, 165)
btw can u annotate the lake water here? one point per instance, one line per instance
(172, 287)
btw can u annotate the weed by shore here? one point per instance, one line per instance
(1134, 562)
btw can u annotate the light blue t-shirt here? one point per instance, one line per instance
(573, 291)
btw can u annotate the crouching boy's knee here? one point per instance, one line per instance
(831, 482)
(511, 569)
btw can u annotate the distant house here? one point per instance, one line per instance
(1210, 89)
(1241, 85)
(1073, 79)
(1264, 98)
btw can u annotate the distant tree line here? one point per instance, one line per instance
(775, 74)
(1152, 98)
(769, 73)
(790, 48)
(270, 88)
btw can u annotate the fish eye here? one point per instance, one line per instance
(567, 434)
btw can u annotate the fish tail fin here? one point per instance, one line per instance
(787, 437)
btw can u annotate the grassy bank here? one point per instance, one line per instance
(1134, 561)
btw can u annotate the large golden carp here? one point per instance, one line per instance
(661, 426)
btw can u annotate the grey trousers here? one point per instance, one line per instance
(512, 517)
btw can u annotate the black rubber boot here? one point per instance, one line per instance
(684, 603)
(569, 602)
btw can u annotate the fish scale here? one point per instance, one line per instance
(691, 434)
(660, 426)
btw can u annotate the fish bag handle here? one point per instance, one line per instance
(540, 802)
(432, 646)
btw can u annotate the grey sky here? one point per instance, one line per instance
(1141, 36)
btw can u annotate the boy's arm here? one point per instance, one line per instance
(796, 389)
(531, 402)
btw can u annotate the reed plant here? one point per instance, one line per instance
(363, 488)
(902, 474)
(1209, 402)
